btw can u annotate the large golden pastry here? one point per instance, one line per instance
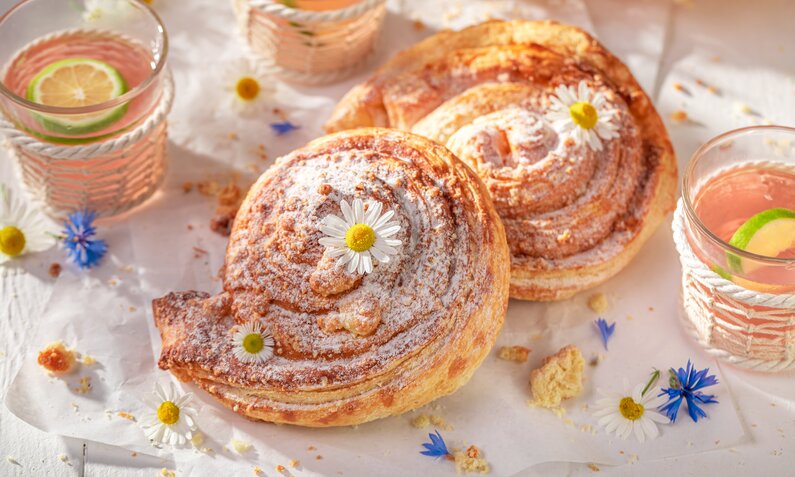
(576, 158)
(327, 323)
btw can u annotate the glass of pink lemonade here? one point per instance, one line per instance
(735, 232)
(84, 91)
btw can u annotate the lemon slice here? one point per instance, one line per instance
(74, 83)
(767, 233)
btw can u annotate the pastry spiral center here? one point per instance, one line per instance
(12, 241)
(360, 237)
(168, 413)
(630, 409)
(584, 114)
(247, 88)
(253, 343)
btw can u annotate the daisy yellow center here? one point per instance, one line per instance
(12, 241)
(168, 413)
(247, 88)
(630, 409)
(360, 237)
(584, 114)
(253, 343)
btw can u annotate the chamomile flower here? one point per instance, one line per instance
(359, 236)
(583, 115)
(626, 413)
(251, 343)
(172, 419)
(248, 88)
(22, 229)
(106, 10)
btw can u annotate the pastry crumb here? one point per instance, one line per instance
(597, 359)
(280, 468)
(294, 463)
(187, 186)
(311, 448)
(470, 461)
(632, 459)
(417, 25)
(559, 378)
(425, 420)
(594, 467)
(197, 439)
(57, 359)
(87, 360)
(258, 471)
(164, 472)
(64, 458)
(241, 447)
(55, 270)
(679, 116)
(742, 108)
(126, 415)
(517, 354)
(84, 385)
(598, 302)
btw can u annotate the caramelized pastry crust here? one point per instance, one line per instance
(349, 348)
(574, 215)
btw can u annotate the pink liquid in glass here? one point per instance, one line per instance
(729, 199)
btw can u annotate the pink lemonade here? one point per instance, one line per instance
(730, 198)
(132, 60)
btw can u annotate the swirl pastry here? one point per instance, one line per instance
(366, 275)
(572, 151)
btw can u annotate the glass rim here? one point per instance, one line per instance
(690, 210)
(124, 98)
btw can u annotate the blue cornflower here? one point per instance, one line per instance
(605, 330)
(78, 230)
(685, 384)
(436, 448)
(283, 128)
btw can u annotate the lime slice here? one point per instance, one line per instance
(767, 233)
(74, 83)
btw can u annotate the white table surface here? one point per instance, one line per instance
(755, 36)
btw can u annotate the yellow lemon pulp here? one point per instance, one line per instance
(168, 413)
(247, 88)
(12, 241)
(253, 343)
(584, 114)
(768, 233)
(77, 82)
(360, 237)
(630, 409)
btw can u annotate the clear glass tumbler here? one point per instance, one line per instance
(84, 92)
(735, 232)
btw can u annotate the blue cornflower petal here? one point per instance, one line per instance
(78, 230)
(436, 448)
(283, 127)
(605, 330)
(687, 388)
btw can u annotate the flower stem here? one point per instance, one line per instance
(655, 376)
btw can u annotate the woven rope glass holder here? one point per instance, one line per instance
(109, 176)
(744, 327)
(311, 46)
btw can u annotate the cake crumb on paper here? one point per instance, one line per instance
(65, 459)
(12, 460)
(594, 467)
(598, 302)
(126, 415)
(55, 270)
(258, 471)
(84, 386)
(294, 463)
(517, 354)
(679, 117)
(559, 378)
(241, 447)
(197, 439)
(164, 472)
(470, 461)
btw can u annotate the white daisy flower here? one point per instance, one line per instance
(22, 229)
(248, 88)
(172, 419)
(106, 10)
(360, 235)
(583, 115)
(623, 414)
(252, 344)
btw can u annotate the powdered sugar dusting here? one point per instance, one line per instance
(276, 270)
